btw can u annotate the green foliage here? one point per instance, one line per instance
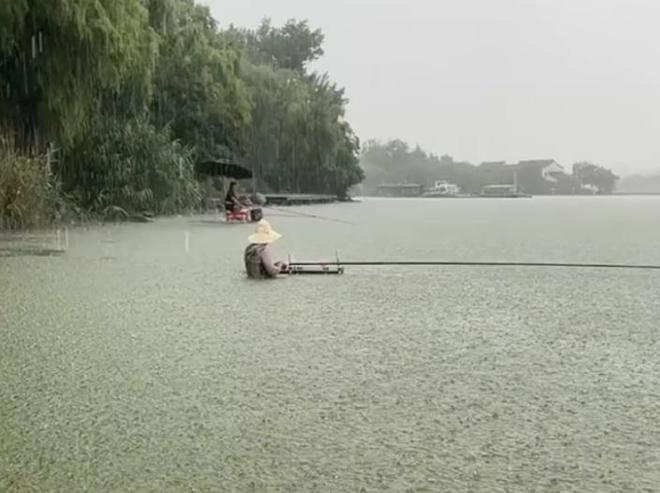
(163, 14)
(133, 92)
(198, 92)
(298, 139)
(27, 195)
(57, 57)
(291, 47)
(12, 18)
(130, 165)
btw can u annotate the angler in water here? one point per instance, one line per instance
(258, 261)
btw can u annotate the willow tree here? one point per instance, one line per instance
(198, 90)
(334, 146)
(56, 59)
(298, 139)
(292, 47)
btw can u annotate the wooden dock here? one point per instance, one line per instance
(299, 199)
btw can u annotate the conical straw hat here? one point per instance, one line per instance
(264, 233)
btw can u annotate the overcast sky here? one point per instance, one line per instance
(492, 79)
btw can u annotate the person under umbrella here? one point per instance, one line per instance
(232, 200)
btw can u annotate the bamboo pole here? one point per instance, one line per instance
(480, 264)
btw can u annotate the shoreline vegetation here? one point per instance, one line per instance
(105, 108)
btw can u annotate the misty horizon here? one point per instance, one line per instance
(570, 81)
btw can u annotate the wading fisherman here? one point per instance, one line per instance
(258, 261)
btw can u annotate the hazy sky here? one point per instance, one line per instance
(492, 79)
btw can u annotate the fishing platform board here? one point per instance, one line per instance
(320, 269)
(317, 267)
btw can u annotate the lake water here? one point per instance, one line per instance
(133, 363)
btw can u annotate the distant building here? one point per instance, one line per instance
(535, 176)
(493, 164)
(549, 169)
(589, 189)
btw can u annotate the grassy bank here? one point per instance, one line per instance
(28, 195)
(118, 171)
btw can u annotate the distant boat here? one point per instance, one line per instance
(443, 189)
(503, 191)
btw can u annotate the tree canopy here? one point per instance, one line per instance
(101, 79)
(56, 58)
(292, 46)
(601, 179)
(197, 86)
(298, 139)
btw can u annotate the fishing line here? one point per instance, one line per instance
(311, 216)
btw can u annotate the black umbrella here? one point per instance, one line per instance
(226, 168)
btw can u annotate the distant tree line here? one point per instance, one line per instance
(124, 96)
(640, 184)
(396, 161)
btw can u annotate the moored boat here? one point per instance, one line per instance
(443, 189)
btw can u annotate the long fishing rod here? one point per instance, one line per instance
(337, 267)
(483, 264)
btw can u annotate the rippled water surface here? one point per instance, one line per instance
(131, 364)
